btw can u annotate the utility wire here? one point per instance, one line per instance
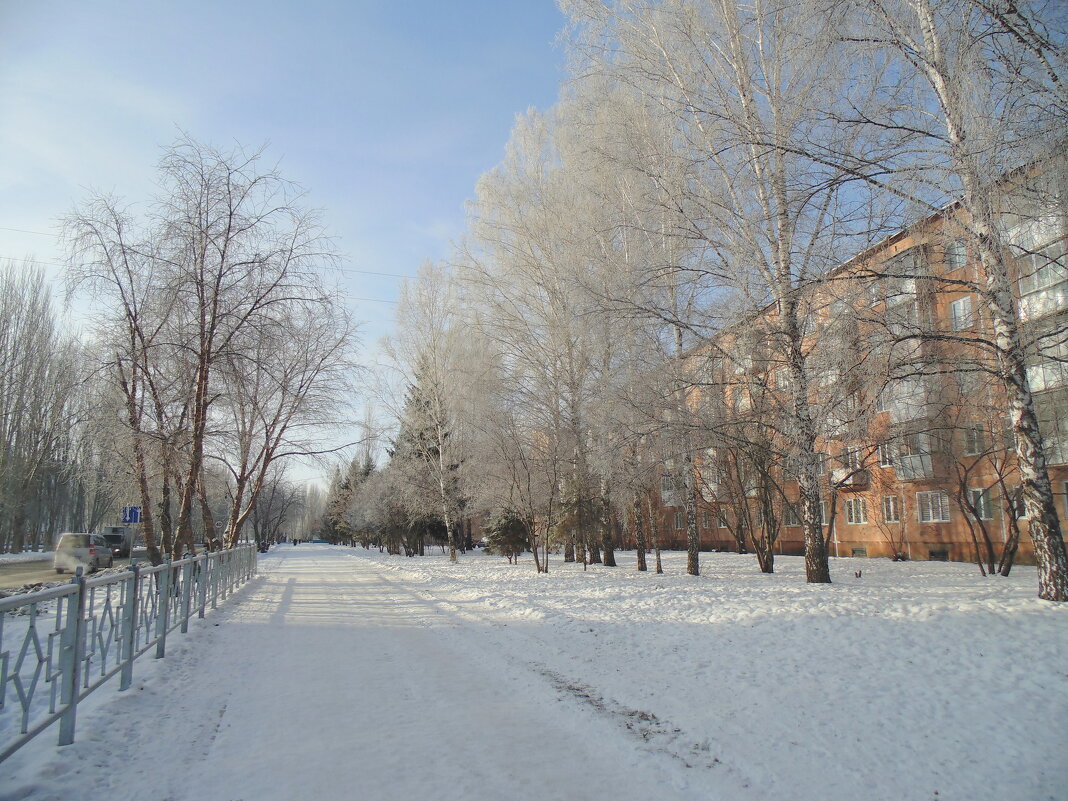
(24, 231)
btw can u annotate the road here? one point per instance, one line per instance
(16, 575)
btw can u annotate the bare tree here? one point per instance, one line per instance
(39, 370)
(223, 259)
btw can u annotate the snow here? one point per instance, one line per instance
(25, 556)
(343, 673)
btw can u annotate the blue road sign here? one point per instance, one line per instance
(131, 514)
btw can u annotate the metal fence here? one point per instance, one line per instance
(60, 644)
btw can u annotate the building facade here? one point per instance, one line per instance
(918, 458)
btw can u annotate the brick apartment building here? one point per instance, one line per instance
(918, 448)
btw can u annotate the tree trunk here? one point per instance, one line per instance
(1044, 525)
(607, 543)
(817, 565)
(207, 518)
(639, 533)
(654, 531)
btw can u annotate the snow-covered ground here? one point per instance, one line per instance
(341, 674)
(25, 556)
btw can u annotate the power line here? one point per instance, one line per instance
(25, 231)
(373, 300)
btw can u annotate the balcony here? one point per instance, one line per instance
(709, 491)
(849, 477)
(914, 468)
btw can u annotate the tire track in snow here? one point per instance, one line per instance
(651, 733)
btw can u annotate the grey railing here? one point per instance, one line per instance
(60, 644)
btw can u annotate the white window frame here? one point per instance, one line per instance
(886, 454)
(1043, 282)
(981, 499)
(974, 441)
(1050, 368)
(723, 520)
(791, 518)
(961, 314)
(856, 511)
(891, 509)
(1053, 417)
(852, 459)
(954, 255)
(932, 506)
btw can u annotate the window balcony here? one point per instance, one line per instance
(849, 477)
(914, 468)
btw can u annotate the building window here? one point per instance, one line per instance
(1016, 504)
(706, 519)
(792, 518)
(1052, 412)
(852, 459)
(960, 313)
(886, 454)
(899, 282)
(912, 457)
(823, 513)
(723, 523)
(1043, 282)
(680, 522)
(974, 441)
(891, 509)
(1050, 368)
(982, 503)
(955, 255)
(856, 511)
(740, 399)
(932, 507)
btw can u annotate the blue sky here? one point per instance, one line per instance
(387, 112)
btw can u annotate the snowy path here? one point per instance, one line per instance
(329, 679)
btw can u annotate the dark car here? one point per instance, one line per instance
(119, 544)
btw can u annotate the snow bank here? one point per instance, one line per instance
(918, 680)
(25, 556)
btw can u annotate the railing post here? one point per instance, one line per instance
(203, 578)
(187, 593)
(72, 644)
(224, 557)
(163, 590)
(216, 557)
(129, 626)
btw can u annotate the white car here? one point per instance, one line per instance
(88, 551)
